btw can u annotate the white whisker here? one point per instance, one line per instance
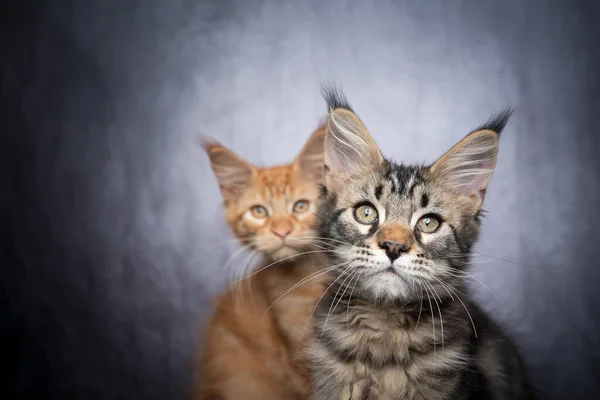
(298, 284)
(283, 259)
(432, 318)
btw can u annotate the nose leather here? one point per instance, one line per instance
(393, 249)
(281, 228)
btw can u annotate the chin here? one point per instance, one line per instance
(283, 252)
(388, 287)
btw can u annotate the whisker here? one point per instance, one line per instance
(322, 295)
(323, 248)
(467, 276)
(488, 288)
(514, 262)
(440, 313)
(331, 307)
(444, 286)
(489, 260)
(465, 307)
(347, 273)
(283, 259)
(246, 265)
(231, 273)
(325, 240)
(421, 303)
(298, 284)
(434, 292)
(308, 278)
(352, 275)
(499, 258)
(432, 319)
(238, 239)
(350, 298)
(454, 272)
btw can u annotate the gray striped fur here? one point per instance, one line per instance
(378, 330)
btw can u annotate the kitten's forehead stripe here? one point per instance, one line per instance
(276, 182)
(378, 191)
(410, 186)
(397, 182)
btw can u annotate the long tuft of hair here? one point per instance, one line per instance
(497, 123)
(335, 97)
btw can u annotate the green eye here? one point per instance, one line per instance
(428, 224)
(259, 212)
(366, 214)
(300, 207)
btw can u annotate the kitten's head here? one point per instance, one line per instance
(405, 229)
(271, 209)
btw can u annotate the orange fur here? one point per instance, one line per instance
(254, 342)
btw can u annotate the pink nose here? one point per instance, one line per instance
(281, 233)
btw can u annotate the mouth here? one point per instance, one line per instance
(391, 273)
(388, 272)
(284, 245)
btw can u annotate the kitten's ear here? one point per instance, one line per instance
(468, 166)
(310, 160)
(233, 173)
(349, 148)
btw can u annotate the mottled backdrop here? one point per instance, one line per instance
(111, 237)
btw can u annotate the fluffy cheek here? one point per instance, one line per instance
(439, 243)
(351, 226)
(252, 231)
(347, 230)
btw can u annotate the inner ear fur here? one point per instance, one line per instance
(468, 166)
(349, 147)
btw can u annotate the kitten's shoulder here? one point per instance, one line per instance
(498, 357)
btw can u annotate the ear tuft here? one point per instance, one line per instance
(334, 97)
(497, 123)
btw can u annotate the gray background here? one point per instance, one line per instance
(112, 235)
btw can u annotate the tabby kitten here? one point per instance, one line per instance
(255, 340)
(395, 322)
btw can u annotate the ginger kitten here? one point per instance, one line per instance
(254, 344)
(396, 322)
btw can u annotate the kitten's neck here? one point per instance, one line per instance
(409, 311)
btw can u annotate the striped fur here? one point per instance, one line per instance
(254, 342)
(401, 326)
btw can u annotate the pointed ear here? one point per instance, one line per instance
(233, 173)
(310, 161)
(349, 148)
(468, 166)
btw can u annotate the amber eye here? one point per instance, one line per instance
(366, 214)
(259, 212)
(428, 224)
(301, 206)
